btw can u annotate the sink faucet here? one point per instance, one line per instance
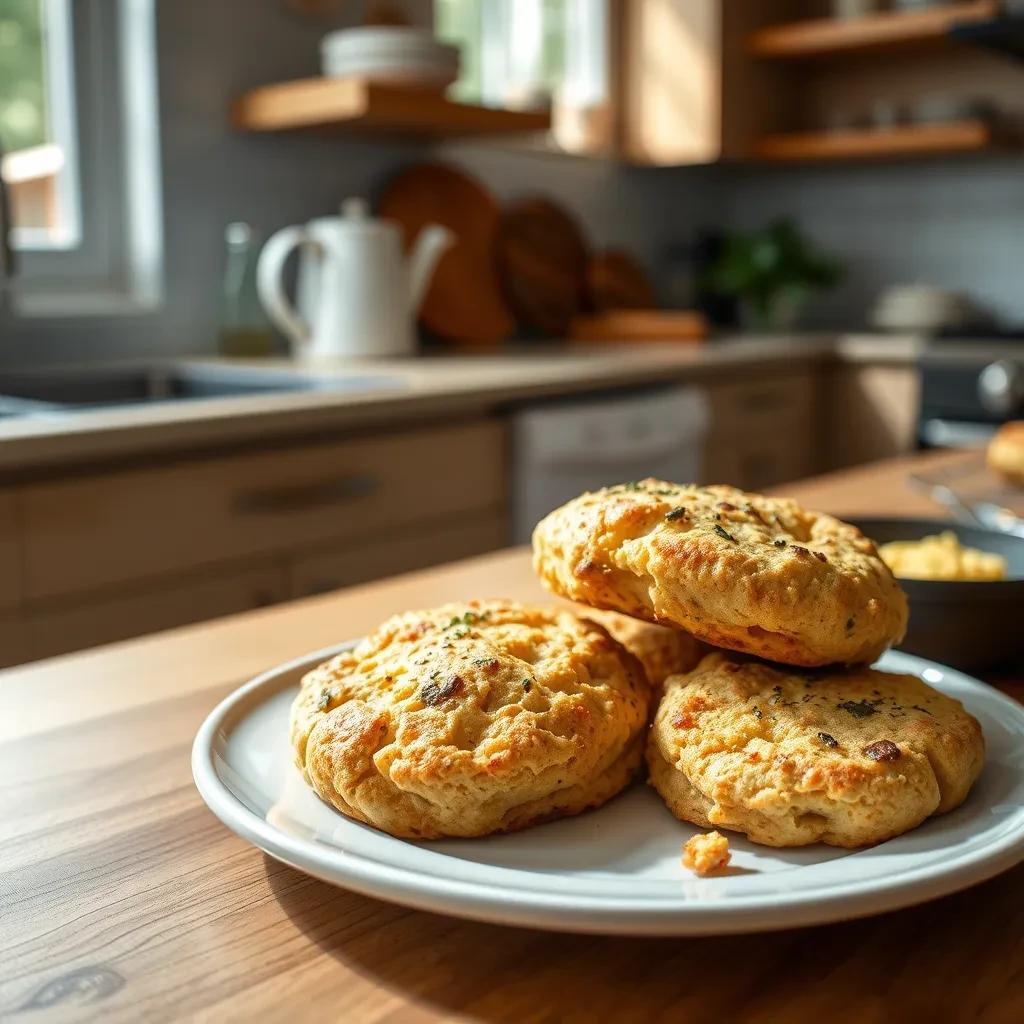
(7, 261)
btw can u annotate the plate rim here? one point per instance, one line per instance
(554, 912)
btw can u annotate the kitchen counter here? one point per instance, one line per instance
(432, 387)
(123, 898)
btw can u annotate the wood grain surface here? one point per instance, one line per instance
(123, 899)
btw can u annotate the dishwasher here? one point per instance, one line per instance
(563, 448)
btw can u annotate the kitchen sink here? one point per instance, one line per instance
(38, 392)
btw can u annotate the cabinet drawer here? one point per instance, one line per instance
(758, 405)
(163, 605)
(10, 552)
(85, 533)
(335, 567)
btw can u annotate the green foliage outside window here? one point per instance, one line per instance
(23, 120)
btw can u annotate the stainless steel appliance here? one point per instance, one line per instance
(563, 448)
(968, 388)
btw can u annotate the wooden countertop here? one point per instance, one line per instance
(122, 898)
(417, 389)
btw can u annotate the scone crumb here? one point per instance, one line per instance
(706, 853)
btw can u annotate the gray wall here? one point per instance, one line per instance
(957, 223)
(208, 52)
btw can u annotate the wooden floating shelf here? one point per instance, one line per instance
(354, 104)
(887, 30)
(877, 143)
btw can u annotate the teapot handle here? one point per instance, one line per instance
(269, 285)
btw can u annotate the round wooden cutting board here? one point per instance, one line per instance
(615, 280)
(542, 261)
(464, 302)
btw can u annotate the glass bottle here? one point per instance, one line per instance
(244, 328)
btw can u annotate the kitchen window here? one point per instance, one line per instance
(78, 126)
(521, 54)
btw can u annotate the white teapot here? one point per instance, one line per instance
(357, 294)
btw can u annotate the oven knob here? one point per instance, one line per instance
(1001, 387)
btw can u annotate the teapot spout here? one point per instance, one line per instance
(431, 243)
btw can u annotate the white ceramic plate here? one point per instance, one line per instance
(617, 869)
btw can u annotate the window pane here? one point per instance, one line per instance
(23, 119)
(36, 122)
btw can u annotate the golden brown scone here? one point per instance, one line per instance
(843, 757)
(472, 718)
(662, 650)
(736, 570)
(1005, 454)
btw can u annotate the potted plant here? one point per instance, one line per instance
(771, 273)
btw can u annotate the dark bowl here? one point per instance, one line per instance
(957, 622)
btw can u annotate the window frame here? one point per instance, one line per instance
(106, 112)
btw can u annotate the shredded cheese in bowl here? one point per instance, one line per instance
(941, 557)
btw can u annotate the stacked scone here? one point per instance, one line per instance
(489, 716)
(808, 745)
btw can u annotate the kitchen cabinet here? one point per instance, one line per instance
(84, 533)
(105, 618)
(14, 646)
(105, 556)
(688, 90)
(10, 552)
(762, 432)
(868, 413)
(341, 566)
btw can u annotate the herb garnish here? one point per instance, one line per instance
(526, 685)
(858, 708)
(325, 698)
(758, 713)
(829, 741)
(431, 693)
(780, 543)
(722, 532)
(676, 513)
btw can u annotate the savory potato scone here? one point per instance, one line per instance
(472, 718)
(736, 570)
(846, 758)
(1005, 454)
(662, 650)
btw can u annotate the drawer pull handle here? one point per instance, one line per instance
(270, 501)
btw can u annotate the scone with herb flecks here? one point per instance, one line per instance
(847, 758)
(472, 718)
(736, 570)
(662, 650)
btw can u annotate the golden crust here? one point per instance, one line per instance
(736, 570)
(1005, 454)
(845, 758)
(662, 650)
(472, 718)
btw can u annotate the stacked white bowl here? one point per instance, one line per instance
(395, 54)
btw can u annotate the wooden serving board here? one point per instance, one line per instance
(615, 280)
(640, 325)
(542, 260)
(464, 302)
